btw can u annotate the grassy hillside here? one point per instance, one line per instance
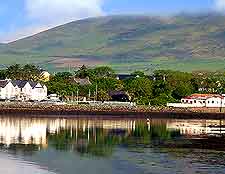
(185, 42)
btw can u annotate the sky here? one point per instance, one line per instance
(22, 18)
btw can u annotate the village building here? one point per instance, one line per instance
(81, 81)
(7, 90)
(119, 96)
(201, 100)
(125, 76)
(22, 90)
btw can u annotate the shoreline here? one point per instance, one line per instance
(82, 111)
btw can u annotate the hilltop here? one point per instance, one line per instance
(183, 42)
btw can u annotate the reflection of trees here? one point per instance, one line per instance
(145, 134)
(61, 140)
(97, 141)
(101, 142)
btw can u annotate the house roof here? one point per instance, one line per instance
(82, 82)
(113, 93)
(203, 96)
(125, 76)
(3, 83)
(22, 83)
(19, 83)
(33, 84)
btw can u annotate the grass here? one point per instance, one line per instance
(185, 43)
(187, 65)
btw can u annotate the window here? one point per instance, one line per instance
(208, 101)
(203, 101)
(186, 101)
(195, 101)
(213, 102)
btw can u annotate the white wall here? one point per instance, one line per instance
(27, 91)
(7, 92)
(194, 102)
(182, 105)
(215, 102)
(39, 93)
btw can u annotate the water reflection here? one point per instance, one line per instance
(99, 137)
(198, 127)
(122, 145)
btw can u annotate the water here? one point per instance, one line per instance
(111, 146)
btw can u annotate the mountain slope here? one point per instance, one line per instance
(186, 42)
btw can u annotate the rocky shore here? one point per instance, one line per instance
(51, 110)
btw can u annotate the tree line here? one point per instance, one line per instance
(160, 87)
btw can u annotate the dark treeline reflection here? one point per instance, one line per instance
(101, 142)
(98, 141)
(101, 137)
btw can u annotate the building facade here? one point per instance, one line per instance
(201, 100)
(22, 90)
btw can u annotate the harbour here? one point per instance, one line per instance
(121, 145)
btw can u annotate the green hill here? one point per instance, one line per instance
(127, 43)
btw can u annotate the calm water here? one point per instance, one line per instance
(111, 146)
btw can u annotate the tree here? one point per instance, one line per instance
(182, 90)
(3, 74)
(140, 89)
(138, 74)
(103, 96)
(103, 72)
(26, 72)
(83, 72)
(14, 72)
(106, 84)
(162, 100)
(30, 72)
(161, 87)
(62, 76)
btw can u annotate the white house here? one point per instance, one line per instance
(38, 92)
(200, 100)
(22, 90)
(7, 89)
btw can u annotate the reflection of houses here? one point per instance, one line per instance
(23, 90)
(197, 127)
(201, 100)
(22, 131)
(35, 131)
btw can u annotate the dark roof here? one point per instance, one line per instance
(3, 83)
(33, 84)
(22, 83)
(112, 93)
(120, 96)
(125, 76)
(19, 83)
